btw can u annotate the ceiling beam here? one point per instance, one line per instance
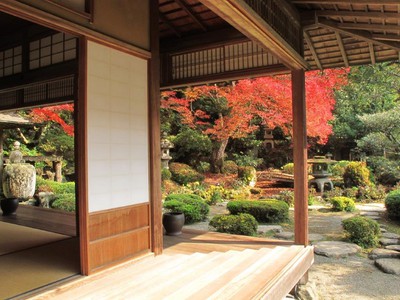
(191, 14)
(244, 19)
(342, 50)
(354, 14)
(312, 49)
(372, 53)
(358, 34)
(365, 2)
(169, 25)
(386, 37)
(361, 26)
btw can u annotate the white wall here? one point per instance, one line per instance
(118, 158)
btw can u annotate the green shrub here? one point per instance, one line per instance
(193, 206)
(351, 192)
(286, 196)
(342, 204)
(165, 174)
(183, 174)
(392, 203)
(356, 174)
(43, 185)
(288, 168)
(243, 224)
(244, 160)
(248, 175)
(203, 167)
(338, 168)
(335, 192)
(264, 211)
(362, 231)
(387, 172)
(65, 202)
(371, 193)
(230, 167)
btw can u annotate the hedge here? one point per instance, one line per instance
(264, 211)
(243, 224)
(392, 203)
(194, 207)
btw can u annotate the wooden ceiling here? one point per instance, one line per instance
(336, 33)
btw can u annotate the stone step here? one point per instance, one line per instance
(393, 247)
(383, 253)
(389, 265)
(387, 242)
(390, 235)
(336, 249)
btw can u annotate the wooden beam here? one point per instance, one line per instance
(355, 14)
(169, 25)
(202, 41)
(372, 53)
(348, 2)
(361, 35)
(386, 37)
(300, 158)
(244, 19)
(191, 14)
(156, 235)
(342, 50)
(312, 49)
(361, 26)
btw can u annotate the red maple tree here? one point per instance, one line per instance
(53, 113)
(229, 110)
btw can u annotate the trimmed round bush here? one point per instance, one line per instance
(64, 202)
(356, 174)
(342, 204)
(362, 231)
(248, 175)
(183, 174)
(165, 174)
(288, 168)
(193, 206)
(264, 211)
(43, 185)
(230, 167)
(392, 203)
(243, 224)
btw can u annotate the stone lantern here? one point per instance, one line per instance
(320, 172)
(165, 146)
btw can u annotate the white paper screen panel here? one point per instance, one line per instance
(118, 157)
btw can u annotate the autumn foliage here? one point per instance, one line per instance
(269, 98)
(53, 113)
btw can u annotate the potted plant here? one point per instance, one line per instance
(173, 222)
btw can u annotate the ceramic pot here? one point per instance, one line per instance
(9, 206)
(173, 223)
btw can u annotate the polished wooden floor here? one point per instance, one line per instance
(199, 265)
(53, 220)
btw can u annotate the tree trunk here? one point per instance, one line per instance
(217, 157)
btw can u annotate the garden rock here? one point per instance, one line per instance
(336, 249)
(389, 265)
(285, 235)
(370, 214)
(387, 242)
(383, 230)
(393, 247)
(45, 198)
(307, 291)
(383, 253)
(390, 235)
(267, 228)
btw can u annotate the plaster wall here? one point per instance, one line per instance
(117, 122)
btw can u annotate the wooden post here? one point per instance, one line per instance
(154, 126)
(300, 158)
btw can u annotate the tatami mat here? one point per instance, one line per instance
(16, 237)
(33, 268)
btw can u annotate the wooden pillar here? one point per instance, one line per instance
(154, 125)
(300, 158)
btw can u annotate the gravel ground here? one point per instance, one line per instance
(353, 278)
